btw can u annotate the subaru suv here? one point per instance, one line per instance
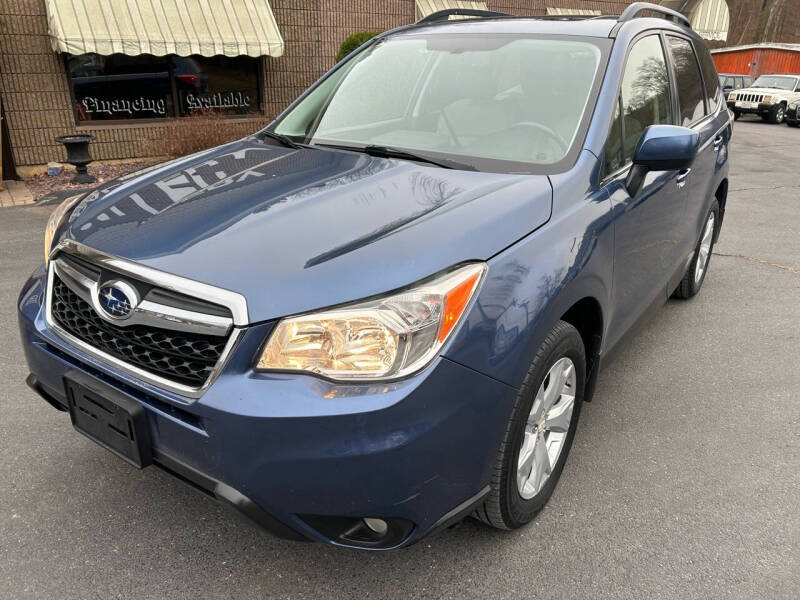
(382, 313)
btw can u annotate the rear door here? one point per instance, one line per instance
(699, 108)
(645, 225)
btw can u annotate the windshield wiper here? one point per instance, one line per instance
(389, 152)
(279, 137)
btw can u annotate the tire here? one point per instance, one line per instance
(793, 123)
(506, 507)
(777, 114)
(736, 115)
(692, 281)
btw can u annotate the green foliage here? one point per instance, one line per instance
(353, 41)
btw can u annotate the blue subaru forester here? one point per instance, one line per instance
(383, 312)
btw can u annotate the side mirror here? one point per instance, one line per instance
(728, 88)
(661, 148)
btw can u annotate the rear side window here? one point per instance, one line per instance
(645, 92)
(690, 85)
(710, 77)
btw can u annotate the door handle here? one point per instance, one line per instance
(718, 142)
(682, 176)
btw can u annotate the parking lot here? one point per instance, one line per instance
(684, 480)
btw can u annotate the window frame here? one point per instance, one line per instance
(260, 76)
(606, 178)
(674, 72)
(720, 101)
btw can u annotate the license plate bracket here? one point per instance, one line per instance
(109, 418)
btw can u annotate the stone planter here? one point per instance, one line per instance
(77, 146)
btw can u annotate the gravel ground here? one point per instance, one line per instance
(41, 185)
(683, 482)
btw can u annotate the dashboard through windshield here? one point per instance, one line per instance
(507, 103)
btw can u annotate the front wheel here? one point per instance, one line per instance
(777, 114)
(539, 433)
(696, 272)
(736, 115)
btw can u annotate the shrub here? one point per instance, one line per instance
(198, 131)
(353, 41)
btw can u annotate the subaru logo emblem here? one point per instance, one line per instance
(117, 300)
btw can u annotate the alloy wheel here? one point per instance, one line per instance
(547, 427)
(704, 250)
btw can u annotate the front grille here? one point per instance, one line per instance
(750, 97)
(185, 358)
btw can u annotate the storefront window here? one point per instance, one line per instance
(120, 87)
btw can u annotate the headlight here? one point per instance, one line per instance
(56, 220)
(767, 100)
(732, 96)
(379, 339)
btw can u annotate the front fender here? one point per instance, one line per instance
(534, 283)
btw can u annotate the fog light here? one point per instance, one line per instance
(379, 526)
(361, 532)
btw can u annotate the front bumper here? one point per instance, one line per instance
(761, 109)
(289, 451)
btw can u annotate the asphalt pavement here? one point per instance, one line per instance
(683, 482)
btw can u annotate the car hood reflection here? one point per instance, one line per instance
(298, 229)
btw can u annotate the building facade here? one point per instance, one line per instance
(67, 66)
(758, 59)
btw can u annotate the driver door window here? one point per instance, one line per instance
(644, 100)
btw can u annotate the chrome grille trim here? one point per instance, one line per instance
(82, 285)
(147, 313)
(233, 301)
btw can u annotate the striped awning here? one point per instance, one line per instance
(572, 12)
(711, 19)
(159, 27)
(427, 7)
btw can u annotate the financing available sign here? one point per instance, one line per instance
(124, 107)
(217, 101)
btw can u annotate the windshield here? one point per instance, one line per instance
(776, 81)
(489, 102)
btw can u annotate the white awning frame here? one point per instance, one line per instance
(161, 27)
(428, 7)
(572, 12)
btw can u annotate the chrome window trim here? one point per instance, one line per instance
(235, 302)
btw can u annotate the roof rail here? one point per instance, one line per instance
(444, 15)
(635, 9)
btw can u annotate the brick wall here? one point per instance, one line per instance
(35, 91)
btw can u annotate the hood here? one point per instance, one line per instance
(299, 229)
(765, 91)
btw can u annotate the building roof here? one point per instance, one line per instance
(790, 47)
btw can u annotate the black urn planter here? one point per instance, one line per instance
(77, 146)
